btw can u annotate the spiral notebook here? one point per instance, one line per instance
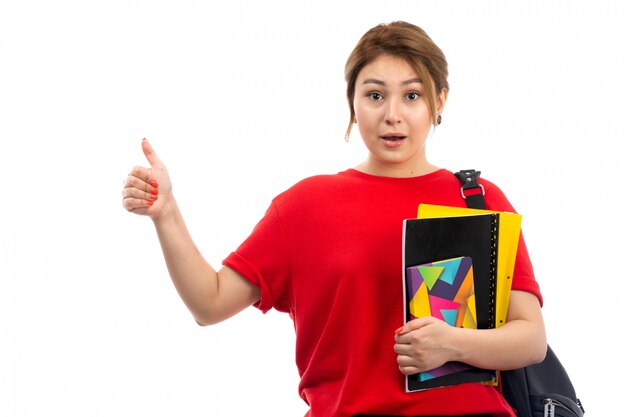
(509, 231)
(441, 242)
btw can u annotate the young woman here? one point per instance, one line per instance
(329, 252)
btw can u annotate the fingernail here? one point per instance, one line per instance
(399, 330)
(154, 191)
(154, 197)
(154, 184)
(150, 203)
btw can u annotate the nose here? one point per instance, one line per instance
(392, 113)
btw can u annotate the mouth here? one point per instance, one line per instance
(393, 137)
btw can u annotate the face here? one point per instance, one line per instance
(393, 117)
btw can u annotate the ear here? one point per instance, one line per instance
(442, 97)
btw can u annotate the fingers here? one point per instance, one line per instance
(141, 178)
(151, 156)
(133, 192)
(132, 204)
(140, 191)
(416, 324)
(405, 336)
(409, 370)
(407, 366)
(410, 361)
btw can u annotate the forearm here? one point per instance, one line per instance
(519, 342)
(194, 278)
(514, 345)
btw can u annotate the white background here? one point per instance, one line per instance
(241, 99)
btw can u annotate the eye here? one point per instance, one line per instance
(375, 96)
(412, 96)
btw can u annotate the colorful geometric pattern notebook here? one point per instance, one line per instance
(443, 289)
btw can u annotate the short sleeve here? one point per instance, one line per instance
(263, 259)
(523, 274)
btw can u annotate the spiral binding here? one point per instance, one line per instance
(493, 269)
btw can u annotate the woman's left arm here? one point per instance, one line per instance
(427, 343)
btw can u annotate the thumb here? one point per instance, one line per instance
(149, 153)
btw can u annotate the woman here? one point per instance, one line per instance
(329, 252)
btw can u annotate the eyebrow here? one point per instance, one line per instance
(382, 83)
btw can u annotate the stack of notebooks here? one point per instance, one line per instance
(458, 266)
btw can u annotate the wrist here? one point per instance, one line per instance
(457, 343)
(168, 213)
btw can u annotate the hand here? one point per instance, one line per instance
(147, 191)
(423, 344)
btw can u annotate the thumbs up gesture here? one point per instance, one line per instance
(147, 191)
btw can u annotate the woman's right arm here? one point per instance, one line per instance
(210, 295)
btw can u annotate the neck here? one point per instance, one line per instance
(373, 167)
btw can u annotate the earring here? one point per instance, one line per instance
(438, 119)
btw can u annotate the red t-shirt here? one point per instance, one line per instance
(329, 252)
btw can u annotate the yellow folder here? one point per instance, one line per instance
(508, 239)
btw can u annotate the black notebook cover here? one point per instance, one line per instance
(437, 239)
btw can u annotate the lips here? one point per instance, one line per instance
(393, 137)
(393, 140)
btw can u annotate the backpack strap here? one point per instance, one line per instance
(469, 188)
